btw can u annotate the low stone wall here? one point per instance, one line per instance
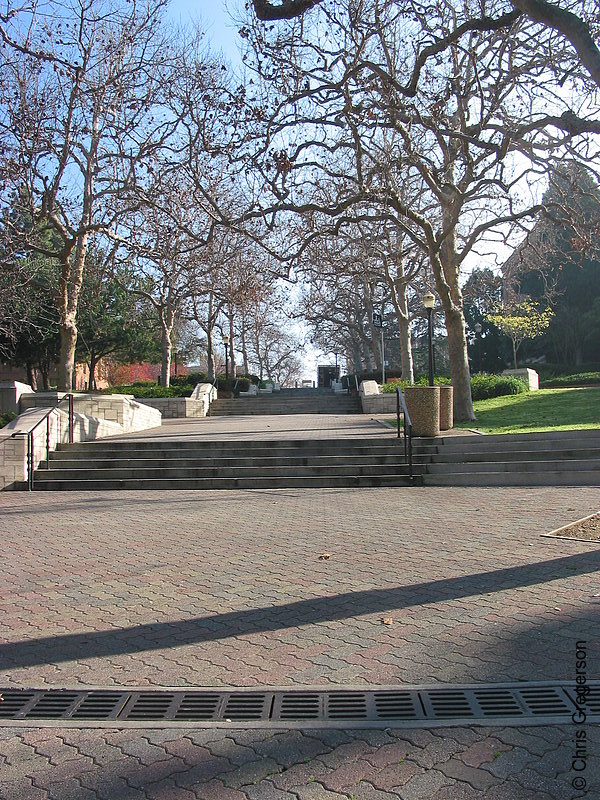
(530, 376)
(378, 403)
(54, 431)
(13, 461)
(175, 407)
(10, 393)
(123, 409)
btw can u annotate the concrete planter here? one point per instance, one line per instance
(423, 404)
(446, 410)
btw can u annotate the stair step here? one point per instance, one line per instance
(345, 481)
(228, 462)
(552, 465)
(263, 471)
(562, 477)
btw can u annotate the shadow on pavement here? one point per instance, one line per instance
(347, 605)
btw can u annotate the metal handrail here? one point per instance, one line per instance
(407, 428)
(30, 440)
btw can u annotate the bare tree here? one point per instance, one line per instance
(575, 23)
(357, 139)
(82, 91)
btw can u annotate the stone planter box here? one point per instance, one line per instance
(423, 404)
(446, 408)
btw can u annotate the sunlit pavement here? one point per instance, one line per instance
(227, 588)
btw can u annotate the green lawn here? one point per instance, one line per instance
(544, 410)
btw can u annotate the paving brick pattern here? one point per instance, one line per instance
(227, 588)
(218, 589)
(527, 764)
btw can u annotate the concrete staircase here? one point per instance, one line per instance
(557, 458)
(169, 465)
(288, 401)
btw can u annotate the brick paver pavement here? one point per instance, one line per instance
(227, 588)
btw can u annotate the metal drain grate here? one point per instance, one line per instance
(516, 704)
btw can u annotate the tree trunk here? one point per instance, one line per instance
(514, 344)
(406, 358)
(446, 273)
(459, 366)
(165, 369)
(232, 363)
(44, 368)
(92, 365)
(66, 363)
(210, 354)
(244, 346)
(31, 376)
(167, 319)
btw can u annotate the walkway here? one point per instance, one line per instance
(229, 588)
(290, 426)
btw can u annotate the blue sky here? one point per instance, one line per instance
(220, 30)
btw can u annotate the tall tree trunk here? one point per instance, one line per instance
(31, 376)
(231, 347)
(66, 359)
(92, 365)
(167, 319)
(375, 332)
(446, 272)
(244, 345)
(400, 303)
(210, 345)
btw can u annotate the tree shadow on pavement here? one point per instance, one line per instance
(347, 605)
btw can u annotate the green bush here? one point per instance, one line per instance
(146, 390)
(573, 379)
(422, 380)
(6, 417)
(485, 386)
(482, 386)
(191, 379)
(547, 372)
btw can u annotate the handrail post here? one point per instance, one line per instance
(398, 412)
(410, 461)
(71, 419)
(47, 439)
(30, 459)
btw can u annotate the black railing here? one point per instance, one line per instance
(407, 428)
(31, 439)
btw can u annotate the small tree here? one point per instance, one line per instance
(521, 321)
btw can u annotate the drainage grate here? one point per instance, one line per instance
(378, 707)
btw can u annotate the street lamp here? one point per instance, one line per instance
(226, 343)
(429, 302)
(478, 328)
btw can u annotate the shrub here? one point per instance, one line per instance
(485, 386)
(575, 379)
(6, 417)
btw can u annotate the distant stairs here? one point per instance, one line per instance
(288, 401)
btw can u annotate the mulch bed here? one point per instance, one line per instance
(586, 529)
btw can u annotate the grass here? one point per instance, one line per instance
(544, 410)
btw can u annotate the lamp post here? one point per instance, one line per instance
(478, 329)
(226, 343)
(429, 302)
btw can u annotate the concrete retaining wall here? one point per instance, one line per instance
(378, 403)
(50, 433)
(175, 407)
(123, 409)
